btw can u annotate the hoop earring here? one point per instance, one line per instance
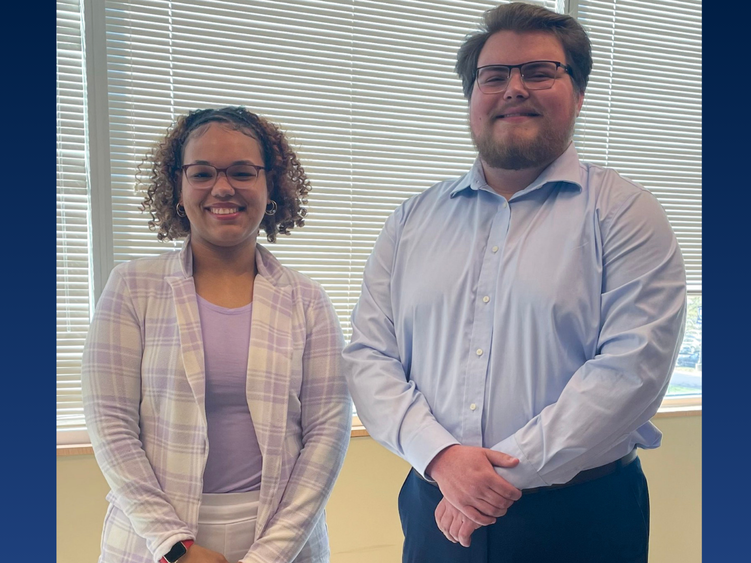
(273, 209)
(180, 209)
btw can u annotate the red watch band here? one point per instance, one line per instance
(186, 544)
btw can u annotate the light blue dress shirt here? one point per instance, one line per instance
(546, 326)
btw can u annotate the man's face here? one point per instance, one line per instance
(520, 128)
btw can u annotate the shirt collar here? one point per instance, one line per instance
(564, 170)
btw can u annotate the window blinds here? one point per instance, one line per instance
(73, 250)
(366, 90)
(642, 109)
(367, 94)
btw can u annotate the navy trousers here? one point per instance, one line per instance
(601, 521)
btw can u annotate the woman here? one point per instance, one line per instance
(211, 375)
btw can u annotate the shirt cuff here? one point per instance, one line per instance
(523, 476)
(425, 445)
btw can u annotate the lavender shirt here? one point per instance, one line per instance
(234, 462)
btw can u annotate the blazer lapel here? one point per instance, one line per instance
(269, 365)
(189, 326)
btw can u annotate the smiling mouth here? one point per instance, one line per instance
(223, 210)
(518, 114)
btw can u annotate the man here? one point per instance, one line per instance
(517, 327)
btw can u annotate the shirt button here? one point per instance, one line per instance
(479, 352)
(495, 249)
(472, 407)
(485, 299)
(505, 204)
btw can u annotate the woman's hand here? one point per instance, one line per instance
(198, 554)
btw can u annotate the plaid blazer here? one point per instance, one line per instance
(143, 388)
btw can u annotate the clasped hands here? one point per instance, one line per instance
(474, 494)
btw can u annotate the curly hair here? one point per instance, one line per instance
(286, 181)
(523, 17)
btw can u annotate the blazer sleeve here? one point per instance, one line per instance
(326, 419)
(111, 385)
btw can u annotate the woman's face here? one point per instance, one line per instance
(223, 215)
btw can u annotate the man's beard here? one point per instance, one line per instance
(520, 154)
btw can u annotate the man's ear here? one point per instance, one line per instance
(579, 102)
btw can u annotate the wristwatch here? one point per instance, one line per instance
(177, 551)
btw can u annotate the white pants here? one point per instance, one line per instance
(227, 523)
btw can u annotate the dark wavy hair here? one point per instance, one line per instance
(286, 181)
(522, 17)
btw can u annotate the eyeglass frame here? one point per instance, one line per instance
(558, 64)
(184, 168)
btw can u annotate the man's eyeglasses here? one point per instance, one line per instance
(239, 176)
(535, 75)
